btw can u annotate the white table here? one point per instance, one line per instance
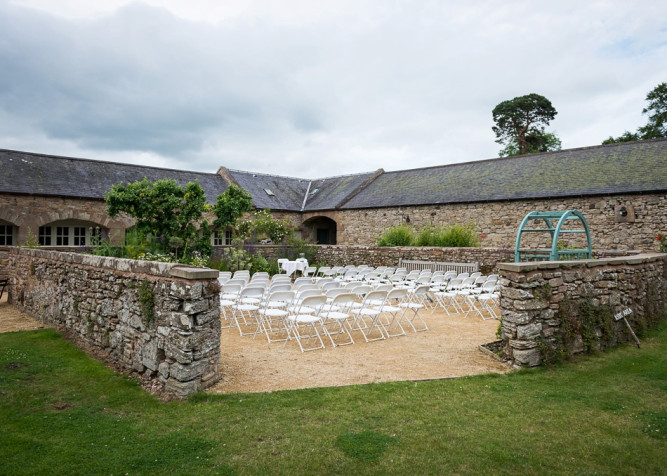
(291, 266)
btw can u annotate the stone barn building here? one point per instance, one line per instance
(620, 188)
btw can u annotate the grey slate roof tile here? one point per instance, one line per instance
(611, 169)
(328, 192)
(288, 192)
(40, 174)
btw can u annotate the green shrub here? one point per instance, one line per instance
(302, 247)
(458, 236)
(427, 236)
(447, 236)
(401, 235)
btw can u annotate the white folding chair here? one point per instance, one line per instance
(392, 312)
(229, 294)
(338, 315)
(447, 298)
(328, 286)
(274, 313)
(366, 317)
(417, 302)
(310, 271)
(302, 324)
(489, 299)
(247, 307)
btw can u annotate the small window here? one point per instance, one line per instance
(222, 239)
(45, 236)
(79, 236)
(62, 236)
(6, 235)
(269, 192)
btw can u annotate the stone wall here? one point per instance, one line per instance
(390, 255)
(498, 222)
(553, 309)
(159, 320)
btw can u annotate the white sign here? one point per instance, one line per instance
(623, 314)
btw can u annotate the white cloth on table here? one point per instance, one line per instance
(290, 266)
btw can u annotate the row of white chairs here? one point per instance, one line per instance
(306, 312)
(455, 295)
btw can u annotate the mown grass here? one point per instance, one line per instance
(63, 413)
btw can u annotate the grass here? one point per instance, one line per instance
(63, 413)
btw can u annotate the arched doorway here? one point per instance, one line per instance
(321, 230)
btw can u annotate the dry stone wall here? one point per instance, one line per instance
(159, 320)
(391, 255)
(553, 309)
(498, 222)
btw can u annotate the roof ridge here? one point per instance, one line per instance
(124, 164)
(268, 175)
(344, 175)
(526, 156)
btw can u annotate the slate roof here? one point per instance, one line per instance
(609, 169)
(288, 192)
(40, 174)
(628, 167)
(329, 192)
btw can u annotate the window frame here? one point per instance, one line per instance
(7, 234)
(219, 240)
(68, 234)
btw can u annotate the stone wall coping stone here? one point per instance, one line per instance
(153, 268)
(590, 263)
(194, 273)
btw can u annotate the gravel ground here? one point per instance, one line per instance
(450, 348)
(11, 319)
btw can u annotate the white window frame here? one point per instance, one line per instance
(67, 234)
(219, 240)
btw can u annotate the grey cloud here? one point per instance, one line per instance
(384, 84)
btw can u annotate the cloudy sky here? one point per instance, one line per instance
(316, 88)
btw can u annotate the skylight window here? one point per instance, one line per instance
(269, 192)
(314, 191)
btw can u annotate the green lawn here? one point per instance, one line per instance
(63, 413)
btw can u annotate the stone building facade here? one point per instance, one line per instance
(620, 188)
(497, 222)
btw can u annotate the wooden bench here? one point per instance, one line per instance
(438, 266)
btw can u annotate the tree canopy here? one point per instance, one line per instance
(231, 205)
(520, 124)
(169, 213)
(656, 126)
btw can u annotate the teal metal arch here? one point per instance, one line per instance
(552, 254)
